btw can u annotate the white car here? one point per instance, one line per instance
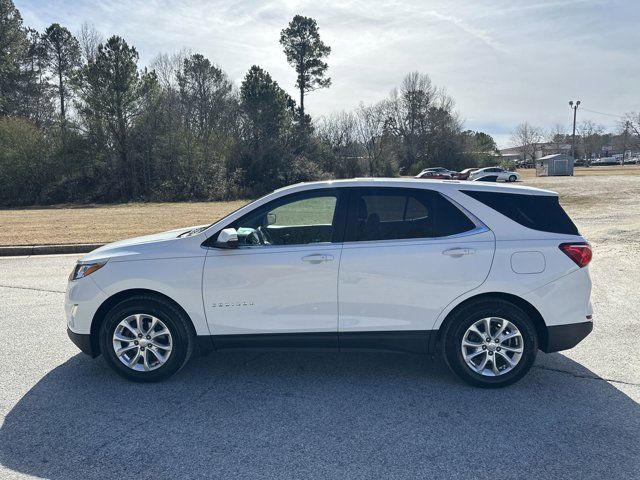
(486, 274)
(500, 173)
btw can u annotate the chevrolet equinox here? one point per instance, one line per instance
(481, 273)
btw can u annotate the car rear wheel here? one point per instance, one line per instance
(146, 339)
(490, 343)
(512, 178)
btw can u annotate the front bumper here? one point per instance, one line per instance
(563, 337)
(83, 342)
(82, 300)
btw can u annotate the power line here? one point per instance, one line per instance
(602, 113)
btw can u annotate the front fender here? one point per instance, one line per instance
(179, 279)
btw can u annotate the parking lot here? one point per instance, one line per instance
(321, 415)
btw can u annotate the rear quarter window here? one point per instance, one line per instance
(449, 219)
(538, 212)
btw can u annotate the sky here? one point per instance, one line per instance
(502, 61)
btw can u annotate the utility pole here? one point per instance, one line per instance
(624, 142)
(573, 137)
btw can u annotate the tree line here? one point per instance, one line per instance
(591, 140)
(82, 121)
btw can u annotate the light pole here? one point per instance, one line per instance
(573, 137)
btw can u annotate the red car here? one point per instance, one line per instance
(434, 175)
(464, 174)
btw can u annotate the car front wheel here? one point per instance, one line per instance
(490, 343)
(513, 178)
(146, 339)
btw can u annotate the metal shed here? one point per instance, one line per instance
(554, 165)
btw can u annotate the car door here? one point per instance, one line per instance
(279, 286)
(501, 173)
(407, 254)
(478, 173)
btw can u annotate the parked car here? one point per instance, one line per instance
(439, 169)
(501, 173)
(525, 164)
(464, 174)
(445, 172)
(486, 178)
(388, 264)
(433, 175)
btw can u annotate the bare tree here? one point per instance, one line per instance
(591, 134)
(422, 118)
(168, 65)
(557, 136)
(89, 39)
(338, 132)
(370, 132)
(525, 137)
(632, 123)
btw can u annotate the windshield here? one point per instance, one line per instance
(195, 231)
(229, 214)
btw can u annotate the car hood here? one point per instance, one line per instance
(147, 244)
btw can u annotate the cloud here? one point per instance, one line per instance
(480, 35)
(503, 61)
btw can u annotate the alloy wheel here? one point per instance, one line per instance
(492, 346)
(142, 342)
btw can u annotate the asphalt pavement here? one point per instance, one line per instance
(313, 415)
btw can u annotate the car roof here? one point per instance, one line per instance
(440, 185)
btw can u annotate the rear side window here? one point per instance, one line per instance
(401, 213)
(538, 212)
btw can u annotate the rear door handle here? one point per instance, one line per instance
(317, 258)
(458, 252)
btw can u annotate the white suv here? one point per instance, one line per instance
(486, 274)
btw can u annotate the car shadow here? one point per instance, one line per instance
(321, 415)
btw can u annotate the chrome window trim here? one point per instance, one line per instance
(420, 240)
(480, 227)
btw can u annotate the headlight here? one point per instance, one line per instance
(82, 270)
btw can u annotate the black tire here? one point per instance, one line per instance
(178, 324)
(513, 178)
(462, 319)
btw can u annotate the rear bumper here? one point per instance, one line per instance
(83, 342)
(563, 337)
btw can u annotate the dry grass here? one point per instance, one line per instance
(104, 223)
(591, 171)
(604, 202)
(605, 207)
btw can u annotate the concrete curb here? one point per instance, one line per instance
(26, 250)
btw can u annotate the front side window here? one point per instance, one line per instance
(402, 213)
(295, 220)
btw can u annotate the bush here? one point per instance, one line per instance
(25, 162)
(301, 169)
(508, 164)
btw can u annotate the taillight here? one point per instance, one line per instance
(580, 253)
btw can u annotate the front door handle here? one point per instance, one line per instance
(317, 258)
(459, 252)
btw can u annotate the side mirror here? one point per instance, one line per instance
(227, 238)
(271, 218)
